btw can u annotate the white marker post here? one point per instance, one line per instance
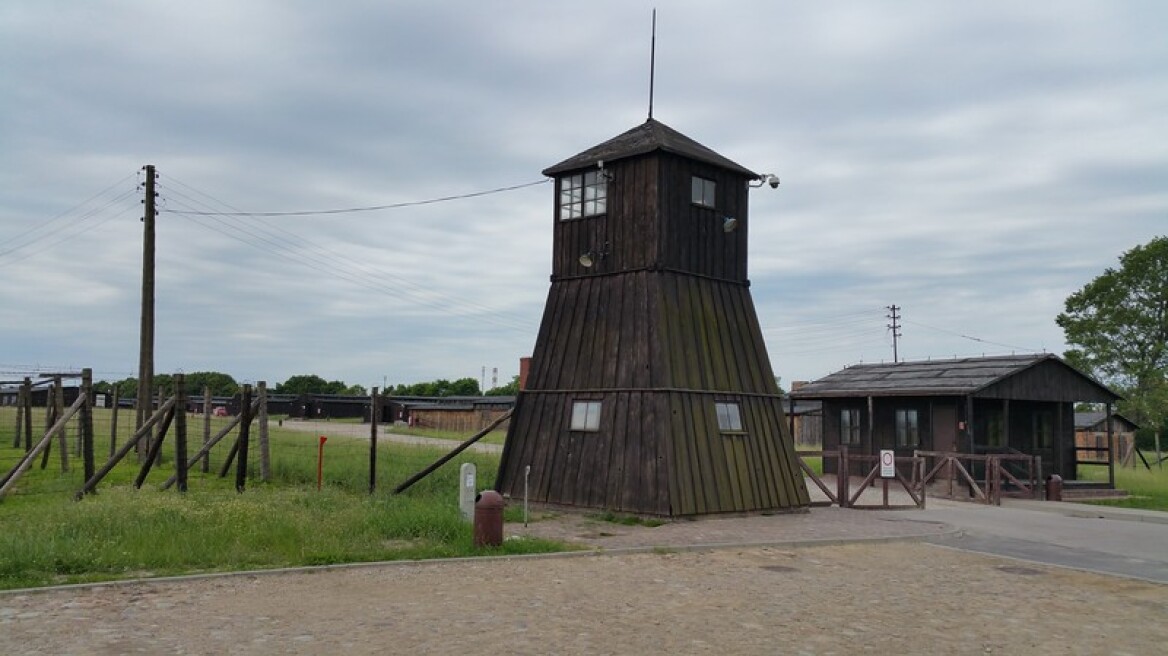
(466, 490)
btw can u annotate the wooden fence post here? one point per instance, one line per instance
(244, 426)
(208, 410)
(114, 423)
(158, 452)
(27, 414)
(843, 473)
(58, 409)
(50, 420)
(19, 405)
(180, 431)
(374, 417)
(265, 455)
(87, 423)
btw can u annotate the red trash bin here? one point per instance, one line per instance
(1054, 488)
(488, 519)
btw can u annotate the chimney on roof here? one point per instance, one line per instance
(524, 368)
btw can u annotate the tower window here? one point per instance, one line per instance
(703, 191)
(729, 417)
(586, 416)
(583, 194)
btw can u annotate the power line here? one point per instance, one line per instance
(374, 208)
(281, 242)
(62, 215)
(974, 339)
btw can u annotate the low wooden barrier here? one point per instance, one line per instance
(989, 489)
(844, 497)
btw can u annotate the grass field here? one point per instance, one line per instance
(123, 532)
(1148, 488)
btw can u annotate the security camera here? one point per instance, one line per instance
(773, 180)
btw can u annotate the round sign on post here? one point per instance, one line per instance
(887, 463)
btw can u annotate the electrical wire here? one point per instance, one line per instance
(281, 242)
(45, 225)
(338, 267)
(971, 338)
(375, 208)
(63, 234)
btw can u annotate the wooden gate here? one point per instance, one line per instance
(844, 497)
(987, 488)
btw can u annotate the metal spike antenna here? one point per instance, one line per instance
(652, 61)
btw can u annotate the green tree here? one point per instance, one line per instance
(1117, 326)
(221, 384)
(440, 387)
(304, 384)
(510, 389)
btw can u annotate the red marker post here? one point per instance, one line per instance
(320, 461)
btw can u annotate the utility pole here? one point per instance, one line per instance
(146, 335)
(895, 328)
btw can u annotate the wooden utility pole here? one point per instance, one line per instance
(895, 328)
(146, 333)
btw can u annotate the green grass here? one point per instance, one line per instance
(122, 532)
(1148, 489)
(814, 462)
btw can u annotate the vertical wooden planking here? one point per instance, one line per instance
(617, 443)
(633, 457)
(642, 372)
(690, 498)
(676, 459)
(708, 478)
(630, 315)
(760, 435)
(654, 484)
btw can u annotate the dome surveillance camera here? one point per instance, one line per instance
(773, 180)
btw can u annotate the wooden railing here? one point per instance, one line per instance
(844, 497)
(988, 488)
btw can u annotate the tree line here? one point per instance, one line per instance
(222, 384)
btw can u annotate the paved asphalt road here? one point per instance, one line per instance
(1124, 543)
(1121, 542)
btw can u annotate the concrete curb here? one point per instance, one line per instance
(1089, 511)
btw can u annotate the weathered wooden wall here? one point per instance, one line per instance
(657, 348)
(459, 420)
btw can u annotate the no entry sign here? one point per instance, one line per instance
(887, 463)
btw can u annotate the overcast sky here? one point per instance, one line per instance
(971, 163)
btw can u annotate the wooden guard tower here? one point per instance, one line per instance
(650, 390)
